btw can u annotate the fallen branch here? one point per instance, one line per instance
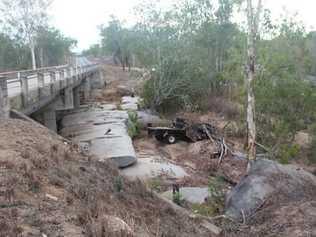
(219, 142)
(263, 147)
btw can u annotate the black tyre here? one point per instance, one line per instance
(171, 139)
(159, 136)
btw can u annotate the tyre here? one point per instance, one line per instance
(171, 139)
(159, 136)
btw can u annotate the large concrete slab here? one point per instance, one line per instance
(101, 133)
(130, 103)
(147, 168)
(194, 195)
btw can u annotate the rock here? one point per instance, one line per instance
(266, 180)
(130, 100)
(108, 106)
(51, 197)
(111, 226)
(125, 91)
(130, 103)
(145, 118)
(193, 195)
(129, 107)
(303, 139)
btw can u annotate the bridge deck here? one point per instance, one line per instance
(27, 91)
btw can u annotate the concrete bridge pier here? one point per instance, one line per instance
(87, 88)
(47, 117)
(76, 97)
(68, 98)
(4, 99)
(98, 80)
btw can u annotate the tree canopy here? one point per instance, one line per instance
(196, 52)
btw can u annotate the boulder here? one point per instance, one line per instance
(130, 103)
(145, 118)
(129, 107)
(125, 91)
(111, 226)
(268, 180)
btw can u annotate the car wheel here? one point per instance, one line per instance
(171, 139)
(159, 137)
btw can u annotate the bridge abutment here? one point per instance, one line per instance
(4, 99)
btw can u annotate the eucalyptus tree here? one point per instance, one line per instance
(23, 19)
(117, 40)
(53, 48)
(253, 20)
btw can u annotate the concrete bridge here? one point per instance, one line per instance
(42, 93)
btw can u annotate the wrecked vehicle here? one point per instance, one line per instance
(182, 130)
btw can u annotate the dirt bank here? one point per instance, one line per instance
(49, 189)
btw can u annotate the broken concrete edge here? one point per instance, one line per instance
(124, 161)
(206, 223)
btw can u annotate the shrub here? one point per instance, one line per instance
(217, 195)
(312, 153)
(176, 83)
(133, 124)
(118, 184)
(177, 198)
(287, 152)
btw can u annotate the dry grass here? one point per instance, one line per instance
(48, 187)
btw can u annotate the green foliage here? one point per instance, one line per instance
(195, 53)
(53, 48)
(287, 153)
(216, 199)
(177, 198)
(155, 184)
(12, 54)
(175, 83)
(133, 124)
(205, 209)
(284, 106)
(312, 155)
(215, 187)
(94, 50)
(118, 184)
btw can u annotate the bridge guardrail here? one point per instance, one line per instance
(22, 88)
